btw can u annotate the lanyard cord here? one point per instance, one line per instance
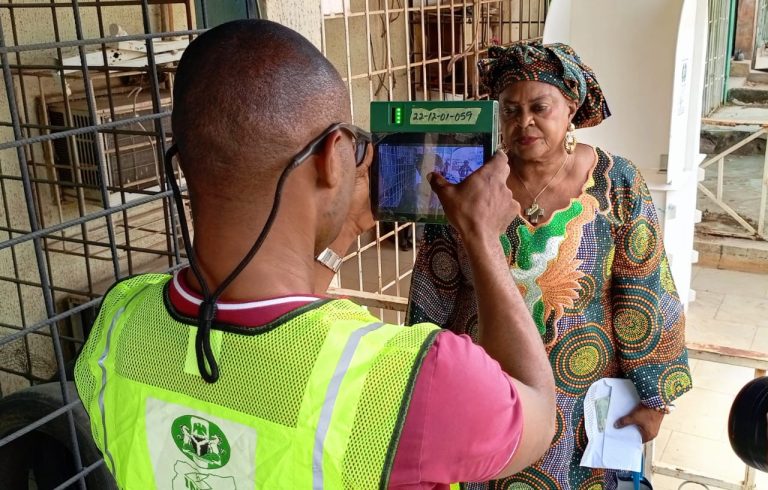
(206, 362)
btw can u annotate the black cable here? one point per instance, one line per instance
(207, 309)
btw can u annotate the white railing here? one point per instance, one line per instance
(720, 159)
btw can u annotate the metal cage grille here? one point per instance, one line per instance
(715, 80)
(412, 50)
(83, 129)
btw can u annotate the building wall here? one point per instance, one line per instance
(300, 15)
(745, 27)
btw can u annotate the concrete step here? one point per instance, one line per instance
(732, 253)
(753, 94)
(715, 139)
(750, 88)
(758, 77)
(741, 68)
(729, 125)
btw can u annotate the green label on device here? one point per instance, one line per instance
(445, 115)
(430, 116)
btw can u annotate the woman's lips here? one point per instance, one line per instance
(527, 140)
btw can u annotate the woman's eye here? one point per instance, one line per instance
(540, 108)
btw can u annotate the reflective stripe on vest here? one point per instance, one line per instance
(160, 426)
(331, 395)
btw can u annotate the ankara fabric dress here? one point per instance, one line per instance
(598, 285)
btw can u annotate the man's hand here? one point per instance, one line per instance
(360, 217)
(481, 208)
(482, 205)
(646, 419)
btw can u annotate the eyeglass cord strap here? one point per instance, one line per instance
(206, 361)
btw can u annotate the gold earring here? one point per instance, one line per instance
(570, 139)
(503, 147)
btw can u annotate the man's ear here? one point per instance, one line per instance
(328, 164)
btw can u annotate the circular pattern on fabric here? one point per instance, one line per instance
(520, 486)
(673, 342)
(580, 357)
(596, 482)
(531, 479)
(673, 382)
(667, 281)
(641, 241)
(635, 322)
(584, 360)
(641, 251)
(633, 326)
(622, 199)
(445, 268)
(587, 287)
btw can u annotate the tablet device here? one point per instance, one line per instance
(412, 139)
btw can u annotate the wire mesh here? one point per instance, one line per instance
(412, 50)
(83, 129)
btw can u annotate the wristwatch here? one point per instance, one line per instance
(330, 259)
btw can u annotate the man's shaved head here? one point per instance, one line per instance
(248, 95)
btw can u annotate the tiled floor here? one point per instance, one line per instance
(731, 309)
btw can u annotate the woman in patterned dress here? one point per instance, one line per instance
(586, 253)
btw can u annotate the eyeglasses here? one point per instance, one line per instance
(360, 137)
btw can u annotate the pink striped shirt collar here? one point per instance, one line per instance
(245, 314)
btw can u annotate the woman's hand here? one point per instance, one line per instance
(481, 206)
(646, 419)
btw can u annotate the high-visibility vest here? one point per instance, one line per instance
(316, 399)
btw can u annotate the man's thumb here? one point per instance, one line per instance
(437, 182)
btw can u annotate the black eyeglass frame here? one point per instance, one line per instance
(362, 139)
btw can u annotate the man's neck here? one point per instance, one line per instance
(274, 271)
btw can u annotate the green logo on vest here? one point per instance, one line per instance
(201, 441)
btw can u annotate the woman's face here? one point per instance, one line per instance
(534, 119)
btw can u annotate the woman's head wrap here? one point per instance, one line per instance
(556, 64)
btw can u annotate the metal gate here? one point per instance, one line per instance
(761, 37)
(83, 198)
(83, 201)
(716, 78)
(411, 50)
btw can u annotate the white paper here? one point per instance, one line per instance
(609, 447)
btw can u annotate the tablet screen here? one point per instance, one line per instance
(401, 191)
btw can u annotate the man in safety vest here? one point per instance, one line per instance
(234, 373)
